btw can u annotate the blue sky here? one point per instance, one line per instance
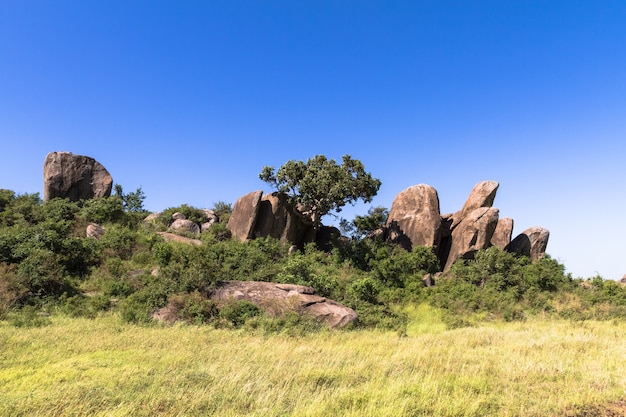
(190, 99)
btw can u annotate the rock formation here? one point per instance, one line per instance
(75, 177)
(472, 234)
(502, 235)
(414, 219)
(415, 214)
(94, 230)
(184, 225)
(482, 195)
(531, 242)
(278, 219)
(244, 216)
(171, 237)
(277, 299)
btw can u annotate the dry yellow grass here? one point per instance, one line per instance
(80, 367)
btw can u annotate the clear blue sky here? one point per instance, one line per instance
(190, 99)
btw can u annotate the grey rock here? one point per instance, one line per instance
(415, 214)
(244, 216)
(74, 177)
(171, 237)
(502, 235)
(279, 219)
(184, 225)
(277, 299)
(473, 233)
(532, 242)
(94, 230)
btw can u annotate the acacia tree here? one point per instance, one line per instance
(320, 185)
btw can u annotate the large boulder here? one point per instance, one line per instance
(472, 234)
(186, 226)
(502, 235)
(414, 219)
(279, 219)
(75, 177)
(482, 195)
(531, 242)
(244, 216)
(277, 299)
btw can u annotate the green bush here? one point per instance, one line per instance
(237, 313)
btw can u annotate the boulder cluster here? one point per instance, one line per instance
(415, 220)
(256, 215)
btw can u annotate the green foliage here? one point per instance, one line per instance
(237, 313)
(133, 201)
(321, 185)
(375, 219)
(104, 210)
(223, 211)
(194, 214)
(365, 289)
(399, 268)
(193, 308)
(301, 269)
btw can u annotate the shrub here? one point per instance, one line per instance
(237, 313)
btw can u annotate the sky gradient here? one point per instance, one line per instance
(189, 100)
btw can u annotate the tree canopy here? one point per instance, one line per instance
(321, 185)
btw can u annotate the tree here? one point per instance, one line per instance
(320, 185)
(133, 201)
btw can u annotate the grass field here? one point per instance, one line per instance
(82, 367)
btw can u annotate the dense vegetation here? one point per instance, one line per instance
(49, 266)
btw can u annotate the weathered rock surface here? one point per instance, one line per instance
(184, 225)
(276, 299)
(244, 216)
(279, 219)
(152, 217)
(473, 233)
(171, 237)
(94, 230)
(179, 216)
(502, 235)
(482, 195)
(531, 242)
(415, 214)
(75, 177)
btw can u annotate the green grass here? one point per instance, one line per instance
(82, 367)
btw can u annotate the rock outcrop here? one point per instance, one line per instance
(94, 230)
(472, 234)
(482, 195)
(184, 225)
(171, 237)
(279, 219)
(277, 299)
(415, 215)
(244, 216)
(75, 177)
(414, 219)
(531, 242)
(502, 235)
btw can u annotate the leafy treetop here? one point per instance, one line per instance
(320, 185)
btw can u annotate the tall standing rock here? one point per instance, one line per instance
(472, 234)
(502, 235)
(75, 177)
(244, 215)
(531, 242)
(415, 214)
(482, 195)
(279, 219)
